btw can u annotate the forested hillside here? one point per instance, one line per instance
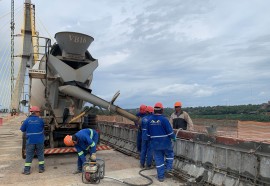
(238, 112)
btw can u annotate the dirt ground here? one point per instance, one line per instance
(59, 167)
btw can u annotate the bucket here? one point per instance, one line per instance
(1, 121)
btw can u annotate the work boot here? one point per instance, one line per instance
(41, 168)
(26, 170)
(142, 166)
(149, 167)
(77, 171)
(160, 179)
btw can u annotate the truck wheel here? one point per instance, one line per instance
(24, 145)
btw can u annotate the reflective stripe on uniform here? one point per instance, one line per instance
(80, 153)
(27, 164)
(161, 136)
(93, 144)
(91, 137)
(41, 162)
(35, 133)
(91, 133)
(159, 166)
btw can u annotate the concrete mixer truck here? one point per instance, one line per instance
(59, 85)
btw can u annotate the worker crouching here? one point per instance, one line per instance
(85, 141)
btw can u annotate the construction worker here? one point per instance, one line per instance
(160, 132)
(84, 141)
(33, 126)
(140, 114)
(146, 150)
(180, 118)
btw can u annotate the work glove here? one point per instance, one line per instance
(93, 157)
(174, 139)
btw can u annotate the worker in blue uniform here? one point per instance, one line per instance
(160, 132)
(85, 141)
(33, 126)
(140, 114)
(146, 150)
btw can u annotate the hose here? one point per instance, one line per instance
(131, 184)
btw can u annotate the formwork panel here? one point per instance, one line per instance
(249, 164)
(218, 179)
(264, 170)
(198, 152)
(233, 161)
(220, 158)
(133, 135)
(190, 150)
(208, 155)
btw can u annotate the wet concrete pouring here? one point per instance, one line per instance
(59, 167)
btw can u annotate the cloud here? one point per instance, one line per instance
(199, 52)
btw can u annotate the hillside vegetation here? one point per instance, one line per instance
(238, 112)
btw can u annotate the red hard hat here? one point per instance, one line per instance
(143, 108)
(159, 105)
(34, 109)
(178, 104)
(150, 109)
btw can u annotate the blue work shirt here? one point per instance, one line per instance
(33, 126)
(144, 126)
(160, 132)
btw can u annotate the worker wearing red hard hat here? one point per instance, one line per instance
(180, 118)
(33, 126)
(160, 133)
(85, 141)
(146, 150)
(141, 114)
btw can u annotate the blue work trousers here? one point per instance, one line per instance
(31, 149)
(164, 161)
(146, 153)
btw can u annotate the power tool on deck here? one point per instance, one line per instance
(93, 171)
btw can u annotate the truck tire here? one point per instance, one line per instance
(24, 145)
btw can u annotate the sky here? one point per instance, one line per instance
(199, 52)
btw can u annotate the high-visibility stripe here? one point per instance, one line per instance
(34, 133)
(91, 133)
(80, 153)
(93, 144)
(88, 147)
(72, 149)
(41, 162)
(169, 158)
(160, 166)
(161, 136)
(27, 164)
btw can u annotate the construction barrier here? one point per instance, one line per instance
(71, 149)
